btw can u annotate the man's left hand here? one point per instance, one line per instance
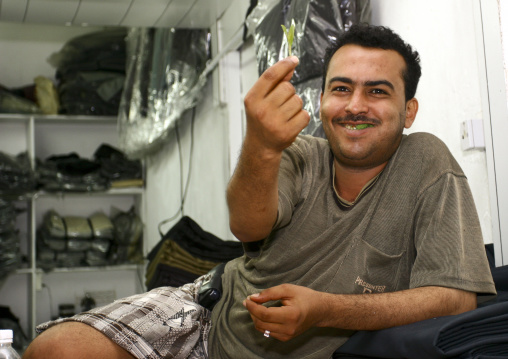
(299, 310)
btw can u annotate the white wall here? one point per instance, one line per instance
(205, 202)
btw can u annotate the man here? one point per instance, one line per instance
(368, 230)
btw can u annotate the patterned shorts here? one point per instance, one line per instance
(163, 323)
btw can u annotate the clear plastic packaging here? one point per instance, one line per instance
(317, 24)
(164, 68)
(6, 349)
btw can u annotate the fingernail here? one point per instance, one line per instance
(244, 303)
(254, 295)
(294, 59)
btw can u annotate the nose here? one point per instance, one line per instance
(357, 103)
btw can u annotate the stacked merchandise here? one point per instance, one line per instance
(91, 73)
(73, 241)
(185, 253)
(128, 238)
(16, 175)
(16, 180)
(70, 172)
(10, 257)
(117, 168)
(37, 98)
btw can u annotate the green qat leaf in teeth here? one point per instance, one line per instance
(363, 126)
(290, 35)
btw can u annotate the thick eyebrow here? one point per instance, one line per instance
(372, 83)
(379, 82)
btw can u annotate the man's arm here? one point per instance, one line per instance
(303, 308)
(274, 119)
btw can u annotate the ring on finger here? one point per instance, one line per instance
(267, 333)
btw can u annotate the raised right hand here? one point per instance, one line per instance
(274, 111)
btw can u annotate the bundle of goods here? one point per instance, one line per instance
(109, 168)
(16, 175)
(73, 241)
(91, 73)
(187, 252)
(10, 257)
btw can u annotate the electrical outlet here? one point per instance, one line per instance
(471, 132)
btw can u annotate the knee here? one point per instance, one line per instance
(74, 340)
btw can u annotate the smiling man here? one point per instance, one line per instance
(366, 230)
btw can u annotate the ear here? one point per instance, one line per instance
(411, 111)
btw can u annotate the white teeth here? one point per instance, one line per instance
(349, 127)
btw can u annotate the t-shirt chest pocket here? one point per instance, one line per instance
(366, 269)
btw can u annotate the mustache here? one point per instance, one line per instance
(355, 118)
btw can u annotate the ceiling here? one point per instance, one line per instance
(132, 13)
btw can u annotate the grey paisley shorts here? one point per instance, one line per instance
(163, 323)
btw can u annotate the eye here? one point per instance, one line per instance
(378, 92)
(340, 89)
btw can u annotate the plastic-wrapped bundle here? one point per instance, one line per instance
(163, 80)
(70, 172)
(317, 24)
(310, 93)
(103, 233)
(12, 103)
(10, 257)
(128, 237)
(16, 175)
(117, 168)
(63, 241)
(91, 73)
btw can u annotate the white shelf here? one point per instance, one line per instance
(120, 267)
(42, 136)
(128, 191)
(56, 118)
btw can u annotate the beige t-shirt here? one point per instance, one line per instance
(416, 226)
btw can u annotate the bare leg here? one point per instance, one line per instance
(74, 340)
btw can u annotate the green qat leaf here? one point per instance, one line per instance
(363, 125)
(290, 35)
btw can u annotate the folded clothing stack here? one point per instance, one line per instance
(91, 73)
(128, 234)
(186, 252)
(73, 241)
(71, 173)
(117, 168)
(16, 175)
(10, 257)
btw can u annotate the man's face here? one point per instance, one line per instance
(364, 87)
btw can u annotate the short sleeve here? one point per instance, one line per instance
(449, 247)
(290, 182)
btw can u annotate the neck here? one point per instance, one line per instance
(350, 181)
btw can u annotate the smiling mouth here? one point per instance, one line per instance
(361, 126)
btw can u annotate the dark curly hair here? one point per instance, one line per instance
(379, 37)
